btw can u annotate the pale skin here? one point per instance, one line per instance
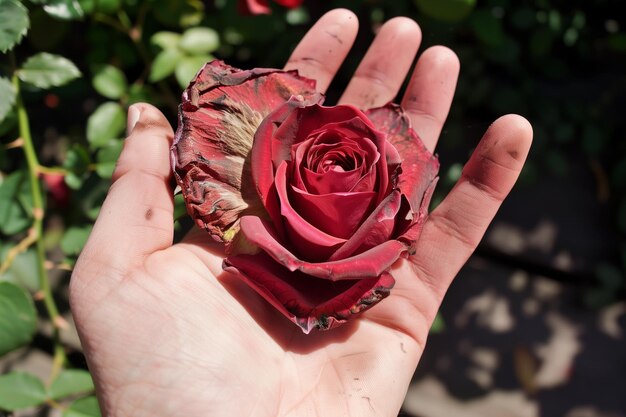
(167, 333)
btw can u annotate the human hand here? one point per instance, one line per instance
(167, 332)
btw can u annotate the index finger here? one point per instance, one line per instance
(322, 50)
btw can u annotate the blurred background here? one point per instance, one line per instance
(533, 326)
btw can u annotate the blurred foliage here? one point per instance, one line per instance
(69, 69)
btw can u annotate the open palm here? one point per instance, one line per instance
(166, 332)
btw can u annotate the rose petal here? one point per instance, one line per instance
(372, 262)
(262, 167)
(411, 232)
(214, 204)
(338, 214)
(318, 115)
(328, 182)
(309, 118)
(306, 239)
(319, 179)
(221, 110)
(308, 301)
(419, 166)
(375, 230)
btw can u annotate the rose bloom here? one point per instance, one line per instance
(263, 7)
(314, 203)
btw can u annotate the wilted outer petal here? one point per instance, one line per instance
(220, 113)
(308, 301)
(419, 166)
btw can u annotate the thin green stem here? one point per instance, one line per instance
(38, 215)
(52, 170)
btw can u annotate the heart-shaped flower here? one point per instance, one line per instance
(313, 203)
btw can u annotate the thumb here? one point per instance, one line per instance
(136, 218)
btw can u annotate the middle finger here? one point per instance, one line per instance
(385, 65)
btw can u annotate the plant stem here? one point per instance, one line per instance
(38, 215)
(52, 170)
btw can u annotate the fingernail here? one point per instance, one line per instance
(133, 117)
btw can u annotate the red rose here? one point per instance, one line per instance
(263, 7)
(314, 203)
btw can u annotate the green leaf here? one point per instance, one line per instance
(143, 93)
(106, 123)
(107, 158)
(20, 390)
(88, 6)
(164, 64)
(446, 10)
(91, 195)
(85, 407)
(15, 203)
(23, 270)
(175, 13)
(7, 92)
(71, 382)
(64, 9)
(187, 68)
(74, 239)
(110, 81)
(6, 125)
(77, 162)
(298, 16)
(18, 318)
(14, 24)
(180, 208)
(108, 6)
(438, 325)
(46, 70)
(199, 40)
(166, 40)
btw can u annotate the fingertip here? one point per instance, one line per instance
(147, 116)
(442, 57)
(342, 23)
(517, 125)
(513, 133)
(343, 16)
(134, 113)
(147, 145)
(403, 26)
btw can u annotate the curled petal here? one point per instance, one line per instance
(220, 113)
(306, 239)
(262, 168)
(308, 301)
(338, 214)
(375, 230)
(372, 262)
(419, 166)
